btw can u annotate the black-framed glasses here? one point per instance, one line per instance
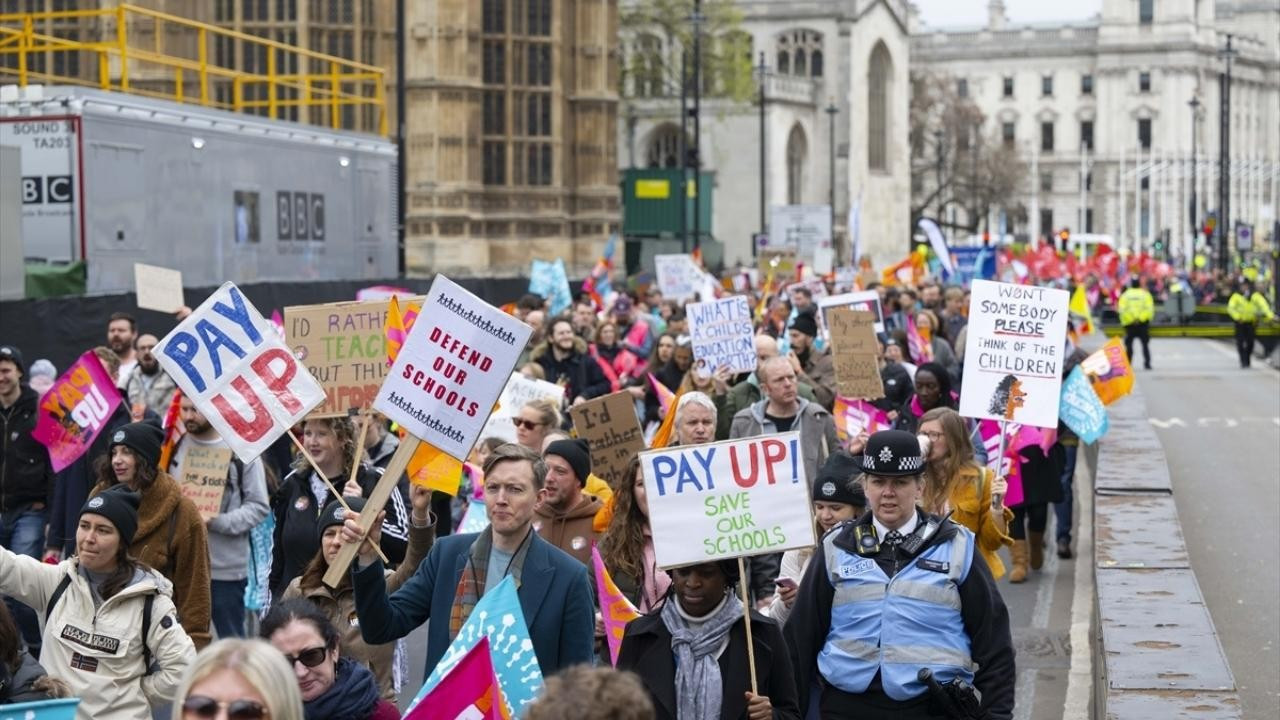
(310, 658)
(206, 707)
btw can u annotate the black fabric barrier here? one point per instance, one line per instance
(61, 329)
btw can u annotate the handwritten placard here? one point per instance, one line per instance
(203, 477)
(1014, 353)
(344, 347)
(721, 334)
(611, 429)
(854, 351)
(158, 288)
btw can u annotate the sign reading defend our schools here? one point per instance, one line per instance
(451, 368)
(344, 346)
(722, 334)
(238, 372)
(1014, 353)
(727, 499)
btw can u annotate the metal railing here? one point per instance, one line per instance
(322, 87)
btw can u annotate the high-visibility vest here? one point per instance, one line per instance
(895, 626)
(1241, 309)
(1261, 306)
(1136, 305)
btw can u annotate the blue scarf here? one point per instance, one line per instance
(353, 695)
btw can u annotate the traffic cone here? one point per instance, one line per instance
(1019, 552)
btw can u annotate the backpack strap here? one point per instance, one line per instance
(147, 603)
(56, 596)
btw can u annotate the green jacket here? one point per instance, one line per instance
(743, 395)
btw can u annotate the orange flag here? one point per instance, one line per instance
(615, 608)
(1109, 371)
(397, 327)
(662, 437)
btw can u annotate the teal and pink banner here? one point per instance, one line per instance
(75, 409)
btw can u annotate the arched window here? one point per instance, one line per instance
(815, 64)
(664, 147)
(797, 156)
(784, 62)
(800, 53)
(879, 91)
(648, 66)
(802, 67)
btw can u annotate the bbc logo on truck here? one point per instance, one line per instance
(52, 189)
(299, 215)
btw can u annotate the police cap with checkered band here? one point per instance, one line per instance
(892, 453)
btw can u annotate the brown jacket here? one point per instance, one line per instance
(172, 539)
(572, 532)
(340, 606)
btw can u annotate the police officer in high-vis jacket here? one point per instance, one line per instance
(1137, 309)
(893, 593)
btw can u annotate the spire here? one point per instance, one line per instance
(995, 15)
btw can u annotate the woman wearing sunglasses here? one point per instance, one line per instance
(246, 679)
(535, 419)
(340, 603)
(332, 686)
(110, 626)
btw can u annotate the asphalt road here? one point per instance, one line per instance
(1220, 427)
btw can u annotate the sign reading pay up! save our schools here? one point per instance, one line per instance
(727, 499)
(238, 372)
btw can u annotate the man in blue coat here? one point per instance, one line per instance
(554, 591)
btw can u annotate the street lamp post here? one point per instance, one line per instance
(695, 158)
(831, 152)
(938, 138)
(763, 71)
(1224, 162)
(1195, 120)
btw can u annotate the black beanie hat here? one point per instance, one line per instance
(576, 453)
(335, 514)
(143, 438)
(118, 504)
(835, 481)
(13, 355)
(806, 324)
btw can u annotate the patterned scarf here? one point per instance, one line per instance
(471, 586)
(699, 687)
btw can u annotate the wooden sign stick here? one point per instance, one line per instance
(746, 616)
(333, 489)
(364, 430)
(378, 498)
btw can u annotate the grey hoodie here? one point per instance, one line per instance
(817, 431)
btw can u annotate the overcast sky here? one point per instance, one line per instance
(946, 13)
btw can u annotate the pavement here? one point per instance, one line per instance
(1220, 428)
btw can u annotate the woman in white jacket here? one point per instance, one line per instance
(111, 631)
(837, 497)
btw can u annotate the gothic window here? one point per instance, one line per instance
(800, 53)
(784, 62)
(815, 64)
(648, 66)
(797, 155)
(801, 66)
(879, 87)
(664, 147)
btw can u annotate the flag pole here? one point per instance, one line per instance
(746, 617)
(997, 499)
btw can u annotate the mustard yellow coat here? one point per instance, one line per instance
(974, 512)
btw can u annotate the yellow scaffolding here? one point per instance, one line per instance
(321, 92)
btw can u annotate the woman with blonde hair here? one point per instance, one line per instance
(955, 482)
(249, 679)
(534, 420)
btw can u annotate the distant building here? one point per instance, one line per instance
(851, 55)
(1101, 109)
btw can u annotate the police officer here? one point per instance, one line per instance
(893, 593)
(1137, 308)
(1246, 307)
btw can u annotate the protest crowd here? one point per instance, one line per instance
(770, 495)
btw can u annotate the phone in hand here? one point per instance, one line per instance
(787, 582)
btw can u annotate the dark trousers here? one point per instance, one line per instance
(837, 704)
(227, 613)
(22, 532)
(1028, 516)
(1245, 333)
(1062, 510)
(1141, 331)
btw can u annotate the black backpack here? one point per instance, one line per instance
(147, 604)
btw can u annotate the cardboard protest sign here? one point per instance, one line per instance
(853, 353)
(548, 279)
(679, 277)
(868, 300)
(447, 376)
(727, 499)
(518, 391)
(158, 288)
(722, 334)
(1109, 372)
(74, 409)
(344, 347)
(497, 616)
(611, 429)
(1081, 409)
(238, 372)
(1014, 354)
(203, 477)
